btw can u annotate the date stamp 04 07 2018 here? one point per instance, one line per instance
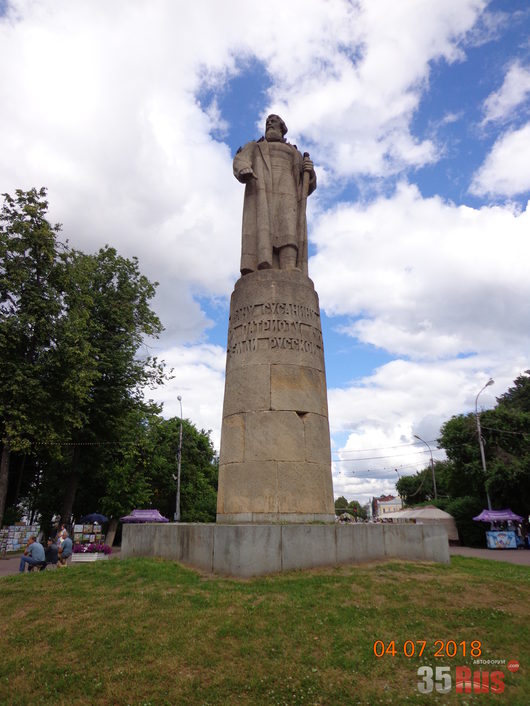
(439, 679)
(416, 648)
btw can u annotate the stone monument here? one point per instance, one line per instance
(275, 458)
(275, 509)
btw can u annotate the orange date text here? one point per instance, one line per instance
(439, 648)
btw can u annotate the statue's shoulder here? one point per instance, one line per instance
(248, 145)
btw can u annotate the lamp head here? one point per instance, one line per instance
(490, 382)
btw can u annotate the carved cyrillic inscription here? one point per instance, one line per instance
(274, 326)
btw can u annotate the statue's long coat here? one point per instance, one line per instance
(257, 236)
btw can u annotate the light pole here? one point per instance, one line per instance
(480, 442)
(399, 478)
(179, 464)
(432, 465)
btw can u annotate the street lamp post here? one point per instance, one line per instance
(179, 465)
(399, 478)
(480, 442)
(432, 465)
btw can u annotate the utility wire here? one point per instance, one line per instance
(505, 431)
(385, 448)
(372, 458)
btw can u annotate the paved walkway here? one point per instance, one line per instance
(512, 556)
(10, 565)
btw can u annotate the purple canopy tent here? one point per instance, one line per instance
(498, 516)
(144, 516)
(497, 539)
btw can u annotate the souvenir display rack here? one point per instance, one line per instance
(88, 533)
(15, 537)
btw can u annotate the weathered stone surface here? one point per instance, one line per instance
(275, 460)
(435, 548)
(316, 438)
(298, 387)
(244, 392)
(274, 318)
(305, 487)
(306, 546)
(358, 543)
(274, 436)
(247, 551)
(233, 439)
(250, 487)
(409, 546)
(253, 550)
(274, 518)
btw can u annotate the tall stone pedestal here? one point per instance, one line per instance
(275, 460)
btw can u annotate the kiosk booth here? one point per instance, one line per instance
(497, 537)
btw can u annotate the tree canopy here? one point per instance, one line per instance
(461, 481)
(76, 432)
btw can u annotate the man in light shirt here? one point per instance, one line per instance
(33, 555)
(65, 550)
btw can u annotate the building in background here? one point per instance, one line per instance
(385, 504)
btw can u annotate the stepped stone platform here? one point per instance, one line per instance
(246, 550)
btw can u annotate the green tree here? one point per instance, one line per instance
(459, 439)
(71, 375)
(419, 488)
(30, 307)
(506, 435)
(199, 470)
(119, 317)
(355, 509)
(340, 505)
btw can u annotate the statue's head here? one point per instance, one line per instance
(275, 128)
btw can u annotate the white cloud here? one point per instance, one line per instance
(506, 170)
(100, 104)
(442, 287)
(382, 412)
(198, 377)
(500, 105)
(356, 105)
(425, 278)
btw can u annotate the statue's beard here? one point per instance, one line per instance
(273, 135)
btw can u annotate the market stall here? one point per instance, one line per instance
(503, 532)
(144, 516)
(428, 515)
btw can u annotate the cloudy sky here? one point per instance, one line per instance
(416, 114)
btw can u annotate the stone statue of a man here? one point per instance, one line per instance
(278, 180)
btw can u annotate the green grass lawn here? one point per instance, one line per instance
(143, 631)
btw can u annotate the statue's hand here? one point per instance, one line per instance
(246, 174)
(307, 165)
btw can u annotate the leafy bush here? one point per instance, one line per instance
(472, 534)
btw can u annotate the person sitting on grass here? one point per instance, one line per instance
(33, 555)
(65, 550)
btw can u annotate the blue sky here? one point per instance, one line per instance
(416, 115)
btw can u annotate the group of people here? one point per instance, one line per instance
(57, 551)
